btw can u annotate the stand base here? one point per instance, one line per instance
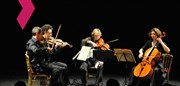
(168, 84)
(124, 84)
(75, 83)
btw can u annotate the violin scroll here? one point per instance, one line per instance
(163, 34)
(67, 44)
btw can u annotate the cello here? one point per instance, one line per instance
(145, 68)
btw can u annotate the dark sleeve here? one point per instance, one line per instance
(84, 41)
(32, 46)
(56, 51)
(146, 45)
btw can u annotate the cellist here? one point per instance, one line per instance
(159, 74)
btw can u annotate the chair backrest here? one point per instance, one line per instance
(32, 76)
(91, 72)
(167, 63)
(29, 66)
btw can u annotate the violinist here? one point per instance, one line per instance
(96, 42)
(157, 46)
(47, 29)
(39, 54)
(58, 44)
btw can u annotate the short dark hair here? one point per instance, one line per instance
(46, 27)
(36, 29)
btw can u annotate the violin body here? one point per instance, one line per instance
(103, 46)
(145, 68)
(51, 41)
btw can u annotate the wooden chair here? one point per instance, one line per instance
(35, 78)
(167, 63)
(91, 72)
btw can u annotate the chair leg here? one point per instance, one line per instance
(29, 80)
(47, 82)
(35, 81)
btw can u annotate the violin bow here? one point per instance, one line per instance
(113, 40)
(56, 36)
(109, 42)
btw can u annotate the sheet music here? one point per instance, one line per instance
(125, 55)
(84, 53)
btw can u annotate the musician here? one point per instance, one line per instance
(50, 40)
(159, 73)
(96, 42)
(58, 45)
(41, 55)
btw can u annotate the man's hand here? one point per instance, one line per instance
(49, 49)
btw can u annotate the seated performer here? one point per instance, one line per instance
(96, 42)
(151, 60)
(40, 55)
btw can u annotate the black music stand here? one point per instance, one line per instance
(124, 55)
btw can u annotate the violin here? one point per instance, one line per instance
(58, 42)
(103, 46)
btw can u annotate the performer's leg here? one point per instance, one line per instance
(83, 69)
(66, 77)
(55, 77)
(133, 81)
(57, 74)
(61, 64)
(157, 79)
(99, 75)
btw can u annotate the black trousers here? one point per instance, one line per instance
(84, 68)
(157, 79)
(58, 72)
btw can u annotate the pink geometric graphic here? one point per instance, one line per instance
(26, 12)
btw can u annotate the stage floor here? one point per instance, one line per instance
(75, 80)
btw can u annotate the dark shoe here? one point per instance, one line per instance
(97, 84)
(84, 84)
(101, 84)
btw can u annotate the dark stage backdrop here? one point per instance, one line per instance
(128, 21)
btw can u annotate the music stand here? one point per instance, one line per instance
(124, 55)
